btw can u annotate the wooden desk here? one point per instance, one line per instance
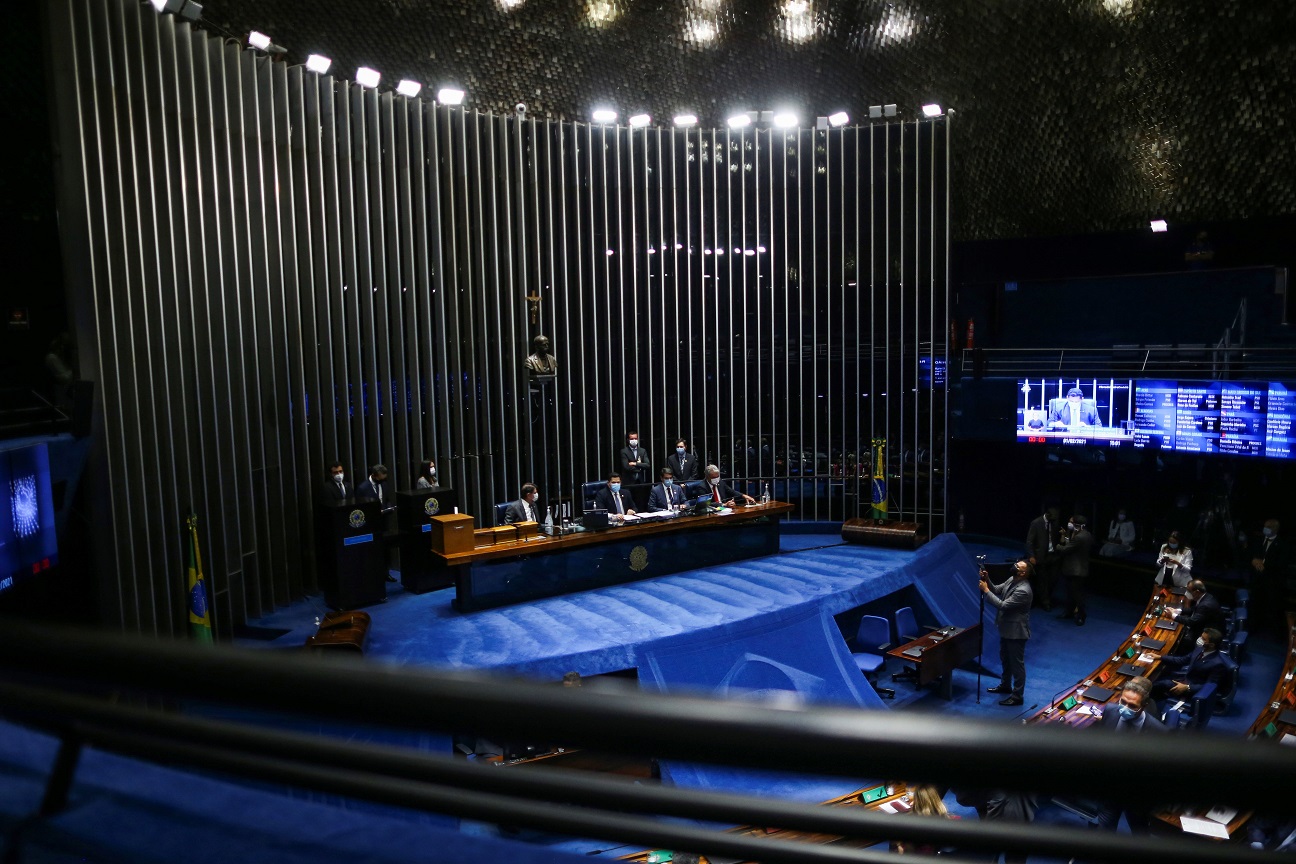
(548, 566)
(943, 652)
(1108, 673)
(894, 793)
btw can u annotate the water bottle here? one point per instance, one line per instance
(548, 523)
(765, 496)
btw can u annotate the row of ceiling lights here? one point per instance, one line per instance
(452, 95)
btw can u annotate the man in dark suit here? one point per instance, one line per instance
(667, 495)
(1202, 610)
(683, 464)
(1132, 713)
(524, 509)
(1073, 550)
(372, 489)
(1271, 579)
(1074, 410)
(614, 501)
(1012, 599)
(335, 489)
(1041, 541)
(1185, 675)
(719, 491)
(634, 460)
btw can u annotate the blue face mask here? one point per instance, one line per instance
(1127, 713)
(1268, 532)
(616, 487)
(1173, 545)
(679, 450)
(668, 482)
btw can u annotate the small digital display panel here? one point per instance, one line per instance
(28, 541)
(1281, 406)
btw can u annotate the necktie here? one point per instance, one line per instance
(341, 490)
(1048, 529)
(715, 494)
(617, 496)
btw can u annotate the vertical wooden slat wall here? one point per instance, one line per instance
(271, 269)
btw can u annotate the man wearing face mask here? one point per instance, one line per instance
(1012, 598)
(1133, 712)
(683, 464)
(1271, 578)
(1120, 537)
(667, 495)
(719, 491)
(1186, 674)
(335, 489)
(524, 509)
(1074, 551)
(614, 501)
(634, 461)
(1202, 610)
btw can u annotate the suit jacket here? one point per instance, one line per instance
(329, 494)
(1012, 599)
(638, 474)
(604, 500)
(516, 512)
(726, 491)
(659, 499)
(1196, 669)
(1111, 719)
(1037, 538)
(1075, 554)
(1060, 412)
(1275, 559)
(686, 472)
(368, 491)
(1206, 612)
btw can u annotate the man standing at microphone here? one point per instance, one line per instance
(1012, 599)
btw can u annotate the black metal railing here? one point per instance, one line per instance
(61, 680)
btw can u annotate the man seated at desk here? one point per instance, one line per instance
(1200, 611)
(523, 509)
(1073, 411)
(719, 491)
(614, 501)
(1185, 675)
(667, 495)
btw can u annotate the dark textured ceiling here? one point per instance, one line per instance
(1072, 116)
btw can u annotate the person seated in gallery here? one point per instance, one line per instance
(667, 495)
(1120, 536)
(613, 500)
(1074, 410)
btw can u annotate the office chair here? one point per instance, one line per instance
(500, 510)
(874, 638)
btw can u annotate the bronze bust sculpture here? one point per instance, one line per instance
(541, 362)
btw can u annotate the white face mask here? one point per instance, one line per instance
(634, 442)
(337, 478)
(1071, 526)
(714, 481)
(1201, 642)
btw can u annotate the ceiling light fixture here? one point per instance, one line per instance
(367, 77)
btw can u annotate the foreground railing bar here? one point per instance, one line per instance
(79, 717)
(834, 741)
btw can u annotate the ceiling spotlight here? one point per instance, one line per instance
(171, 6)
(408, 88)
(785, 119)
(450, 96)
(638, 120)
(738, 121)
(875, 111)
(604, 116)
(189, 10)
(367, 77)
(685, 120)
(258, 40)
(1159, 226)
(841, 118)
(932, 110)
(318, 63)
(889, 110)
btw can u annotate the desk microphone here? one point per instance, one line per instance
(1027, 711)
(1056, 700)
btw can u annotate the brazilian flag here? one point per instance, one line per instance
(879, 479)
(199, 617)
